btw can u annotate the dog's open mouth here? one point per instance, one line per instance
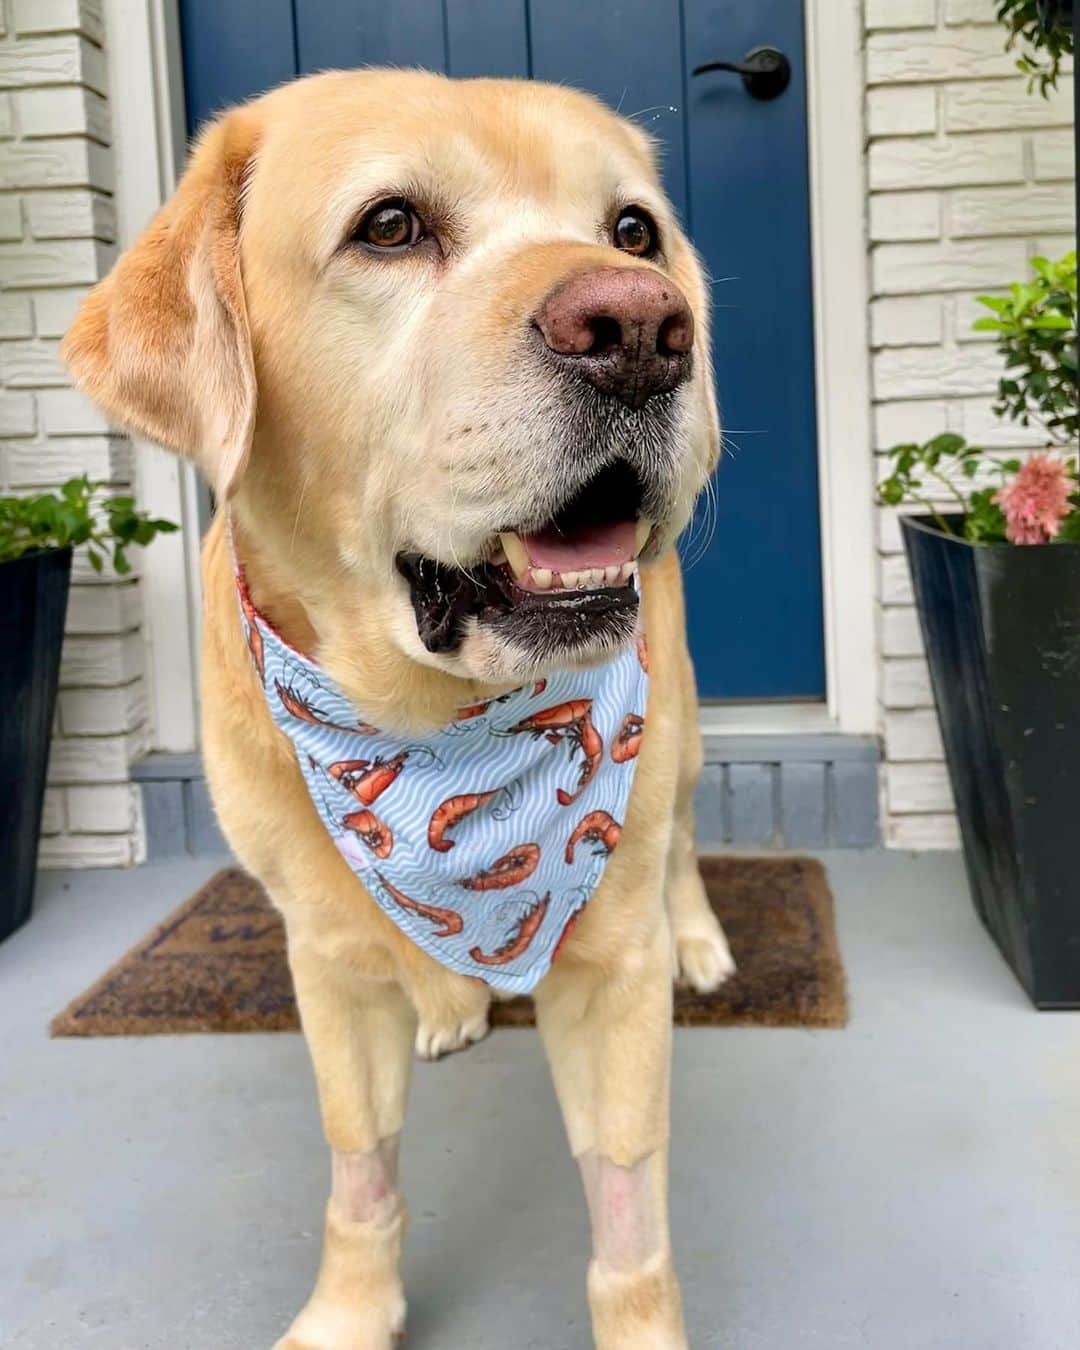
(569, 584)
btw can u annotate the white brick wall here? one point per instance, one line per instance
(57, 227)
(969, 176)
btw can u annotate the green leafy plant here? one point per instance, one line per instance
(1036, 323)
(1047, 37)
(1026, 501)
(81, 514)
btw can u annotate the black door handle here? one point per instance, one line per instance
(765, 72)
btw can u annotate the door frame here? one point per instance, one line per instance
(143, 49)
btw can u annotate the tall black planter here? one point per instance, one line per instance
(1001, 626)
(33, 602)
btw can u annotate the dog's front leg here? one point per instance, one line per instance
(608, 1037)
(360, 1034)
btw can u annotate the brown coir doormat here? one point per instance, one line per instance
(218, 962)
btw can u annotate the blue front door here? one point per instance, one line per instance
(736, 167)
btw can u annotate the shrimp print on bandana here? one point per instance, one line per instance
(483, 841)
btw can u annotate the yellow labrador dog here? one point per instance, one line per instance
(442, 350)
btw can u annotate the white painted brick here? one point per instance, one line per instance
(923, 833)
(907, 321)
(1054, 245)
(71, 215)
(83, 574)
(48, 463)
(905, 682)
(904, 269)
(902, 422)
(1053, 155)
(960, 161)
(59, 16)
(69, 59)
(7, 116)
(11, 226)
(16, 317)
(99, 712)
(75, 162)
(1031, 209)
(30, 364)
(17, 416)
(905, 215)
(913, 735)
(887, 529)
(976, 421)
(94, 759)
(901, 14)
(894, 585)
(983, 105)
(63, 111)
(54, 262)
(966, 54)
(923, 372)
(94, 661)
(55, 310)
(918, 788)
(89, 850)
(900, 634)
(907, 110)
(962, 311)
(103, 609)
(53, 818)
(970, 11)
(101, 809)
(66, 412)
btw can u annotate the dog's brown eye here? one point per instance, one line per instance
(390, 226)
(635, 232)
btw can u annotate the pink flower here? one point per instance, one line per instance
(1036, 501)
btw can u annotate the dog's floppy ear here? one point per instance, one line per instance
(162, 344)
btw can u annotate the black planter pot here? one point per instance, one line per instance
(1001, 625)
(33, 602)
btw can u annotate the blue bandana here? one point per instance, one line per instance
(483, 841)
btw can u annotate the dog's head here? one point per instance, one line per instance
(443, 346)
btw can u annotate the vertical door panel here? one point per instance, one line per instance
(755, 596)
(486, 37)
(228, 57)
(337, 34)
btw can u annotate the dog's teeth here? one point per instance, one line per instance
(571, 580)
(641, 533)
(542, 578)
(516, 554)
(627, 570)
(612, 574)
(499, 556)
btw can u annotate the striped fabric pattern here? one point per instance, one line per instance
(484, 840)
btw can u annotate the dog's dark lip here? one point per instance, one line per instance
(444, 596)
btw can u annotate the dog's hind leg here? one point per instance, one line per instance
(608, 1037)
(702, 956)
(360, 1033)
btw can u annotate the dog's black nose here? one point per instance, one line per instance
(628, 331)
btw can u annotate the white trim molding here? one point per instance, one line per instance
(842, 358)
(148, 139)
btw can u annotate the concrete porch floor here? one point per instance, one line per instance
(911, 1183)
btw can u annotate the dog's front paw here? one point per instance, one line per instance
(435, 1039)
(453, 1015)
(704, 959)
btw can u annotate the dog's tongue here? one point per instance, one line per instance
(589, 546)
